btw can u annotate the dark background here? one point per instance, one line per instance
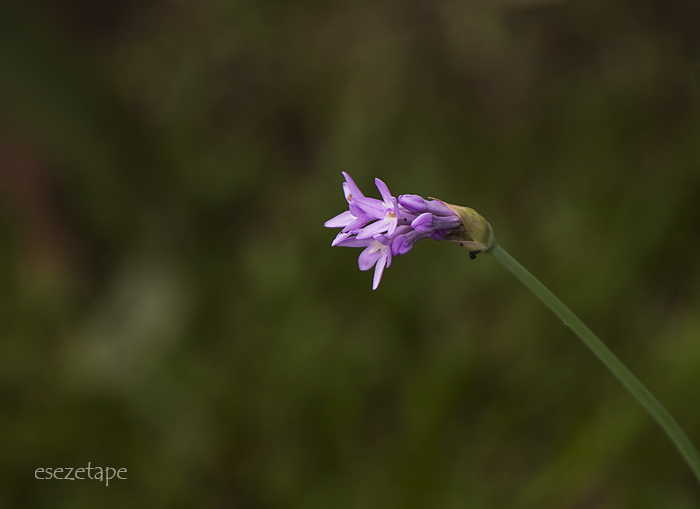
(170, 303)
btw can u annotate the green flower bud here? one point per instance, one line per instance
(475, 233)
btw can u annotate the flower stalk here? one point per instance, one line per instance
(633, 385)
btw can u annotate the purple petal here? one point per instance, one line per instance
(439, 208)
(423, 223)
(393, 223)
(439, 234)
(373, 229)
(404, 242)
(351, 189)
(370, 206)
(400, 246)
(395, 209)
(354, 242)
(358, 212)
(446, 223)
(413, 203)
(369, 257)
(417, 204)
(341, 220)
(340, 238)
(379, 269)
(405, 217)
(383, 190)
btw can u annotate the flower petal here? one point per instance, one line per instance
(383, 190)
(413, 203)
(352, 241)
(379, 270)
(371, 254)
(373, 229)
(343, 235)
(370, 206)
(351, 189)
(392, 221)
(439, 208)
(423, 223)
(400, 246)
(341, 220)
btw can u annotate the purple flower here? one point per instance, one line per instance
(386, 212)
(389, 227)
(351, 219)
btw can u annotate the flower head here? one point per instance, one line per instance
(391, 226)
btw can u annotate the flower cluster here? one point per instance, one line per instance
(389, 227)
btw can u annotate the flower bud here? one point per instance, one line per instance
(475, 233)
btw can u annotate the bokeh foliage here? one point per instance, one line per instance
(170, 303)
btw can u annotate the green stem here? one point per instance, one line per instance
(658, 412)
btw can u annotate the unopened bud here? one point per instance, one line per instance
(475, 233)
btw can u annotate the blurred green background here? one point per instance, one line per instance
(170, 303)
